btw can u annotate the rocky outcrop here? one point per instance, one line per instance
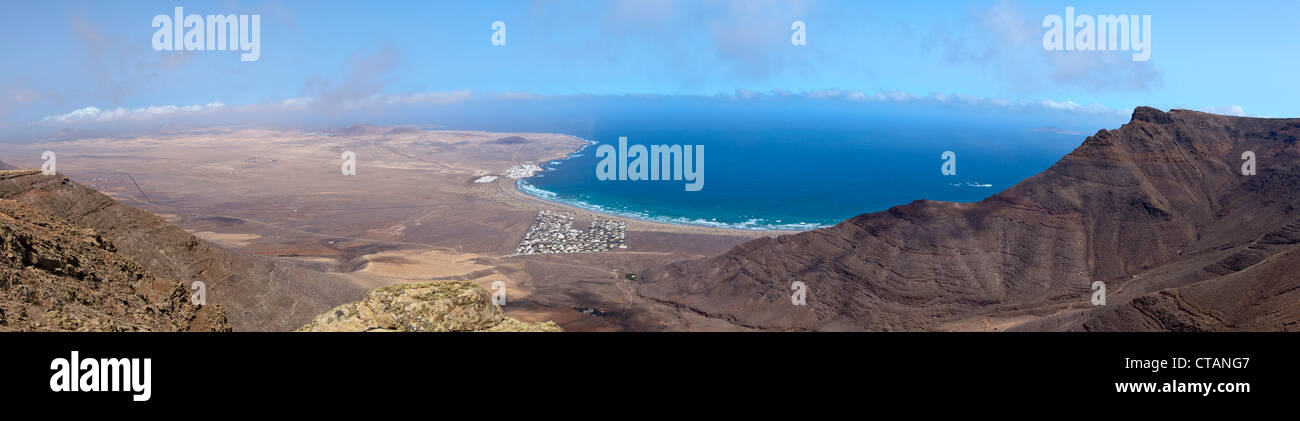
(55, 276)
(1157, 209)
(261, 293)
(450, 306)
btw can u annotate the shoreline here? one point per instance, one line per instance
(633, 224)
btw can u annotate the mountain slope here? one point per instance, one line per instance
(259, 293)
(1145, 207)
(58, 276)
(1248, 287)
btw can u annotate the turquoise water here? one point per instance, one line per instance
(795, 165)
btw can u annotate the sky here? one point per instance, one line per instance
(79, 65)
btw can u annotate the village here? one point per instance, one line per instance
(552, 233)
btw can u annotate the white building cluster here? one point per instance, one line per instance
(553, 233)
(524, 170)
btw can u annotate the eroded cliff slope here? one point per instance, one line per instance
(56, 276)
(1158, 210)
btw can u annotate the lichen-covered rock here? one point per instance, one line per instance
(452, 306)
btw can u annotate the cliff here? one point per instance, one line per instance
(56, 276)
(260, 293)
(1157, 209)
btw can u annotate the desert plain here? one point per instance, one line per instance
(412, 212)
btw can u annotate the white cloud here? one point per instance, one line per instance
(1232, 110)
(413, 98)
(1072, 106)
(940, 98)
(1060, 105)
(95, 114)
(1006, 41)
(92, 114)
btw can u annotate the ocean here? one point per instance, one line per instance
(790, 164)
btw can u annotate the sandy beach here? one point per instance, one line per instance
(633, 224)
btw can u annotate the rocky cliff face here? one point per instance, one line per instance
(260, 293)
(58, 276)
(451, 306)
(1157, 209)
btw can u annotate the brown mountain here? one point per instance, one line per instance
(358, 129)
(1158, 210)
(4, 166)
(58, 276)
(259, 293)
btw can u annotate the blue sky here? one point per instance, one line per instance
(334, 58)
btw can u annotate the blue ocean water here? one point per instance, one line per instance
(792, 164)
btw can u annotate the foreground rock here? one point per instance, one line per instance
(457, 306)
(55, 276)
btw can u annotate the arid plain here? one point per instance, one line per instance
(412, 212)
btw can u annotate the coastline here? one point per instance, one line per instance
(512, 189)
